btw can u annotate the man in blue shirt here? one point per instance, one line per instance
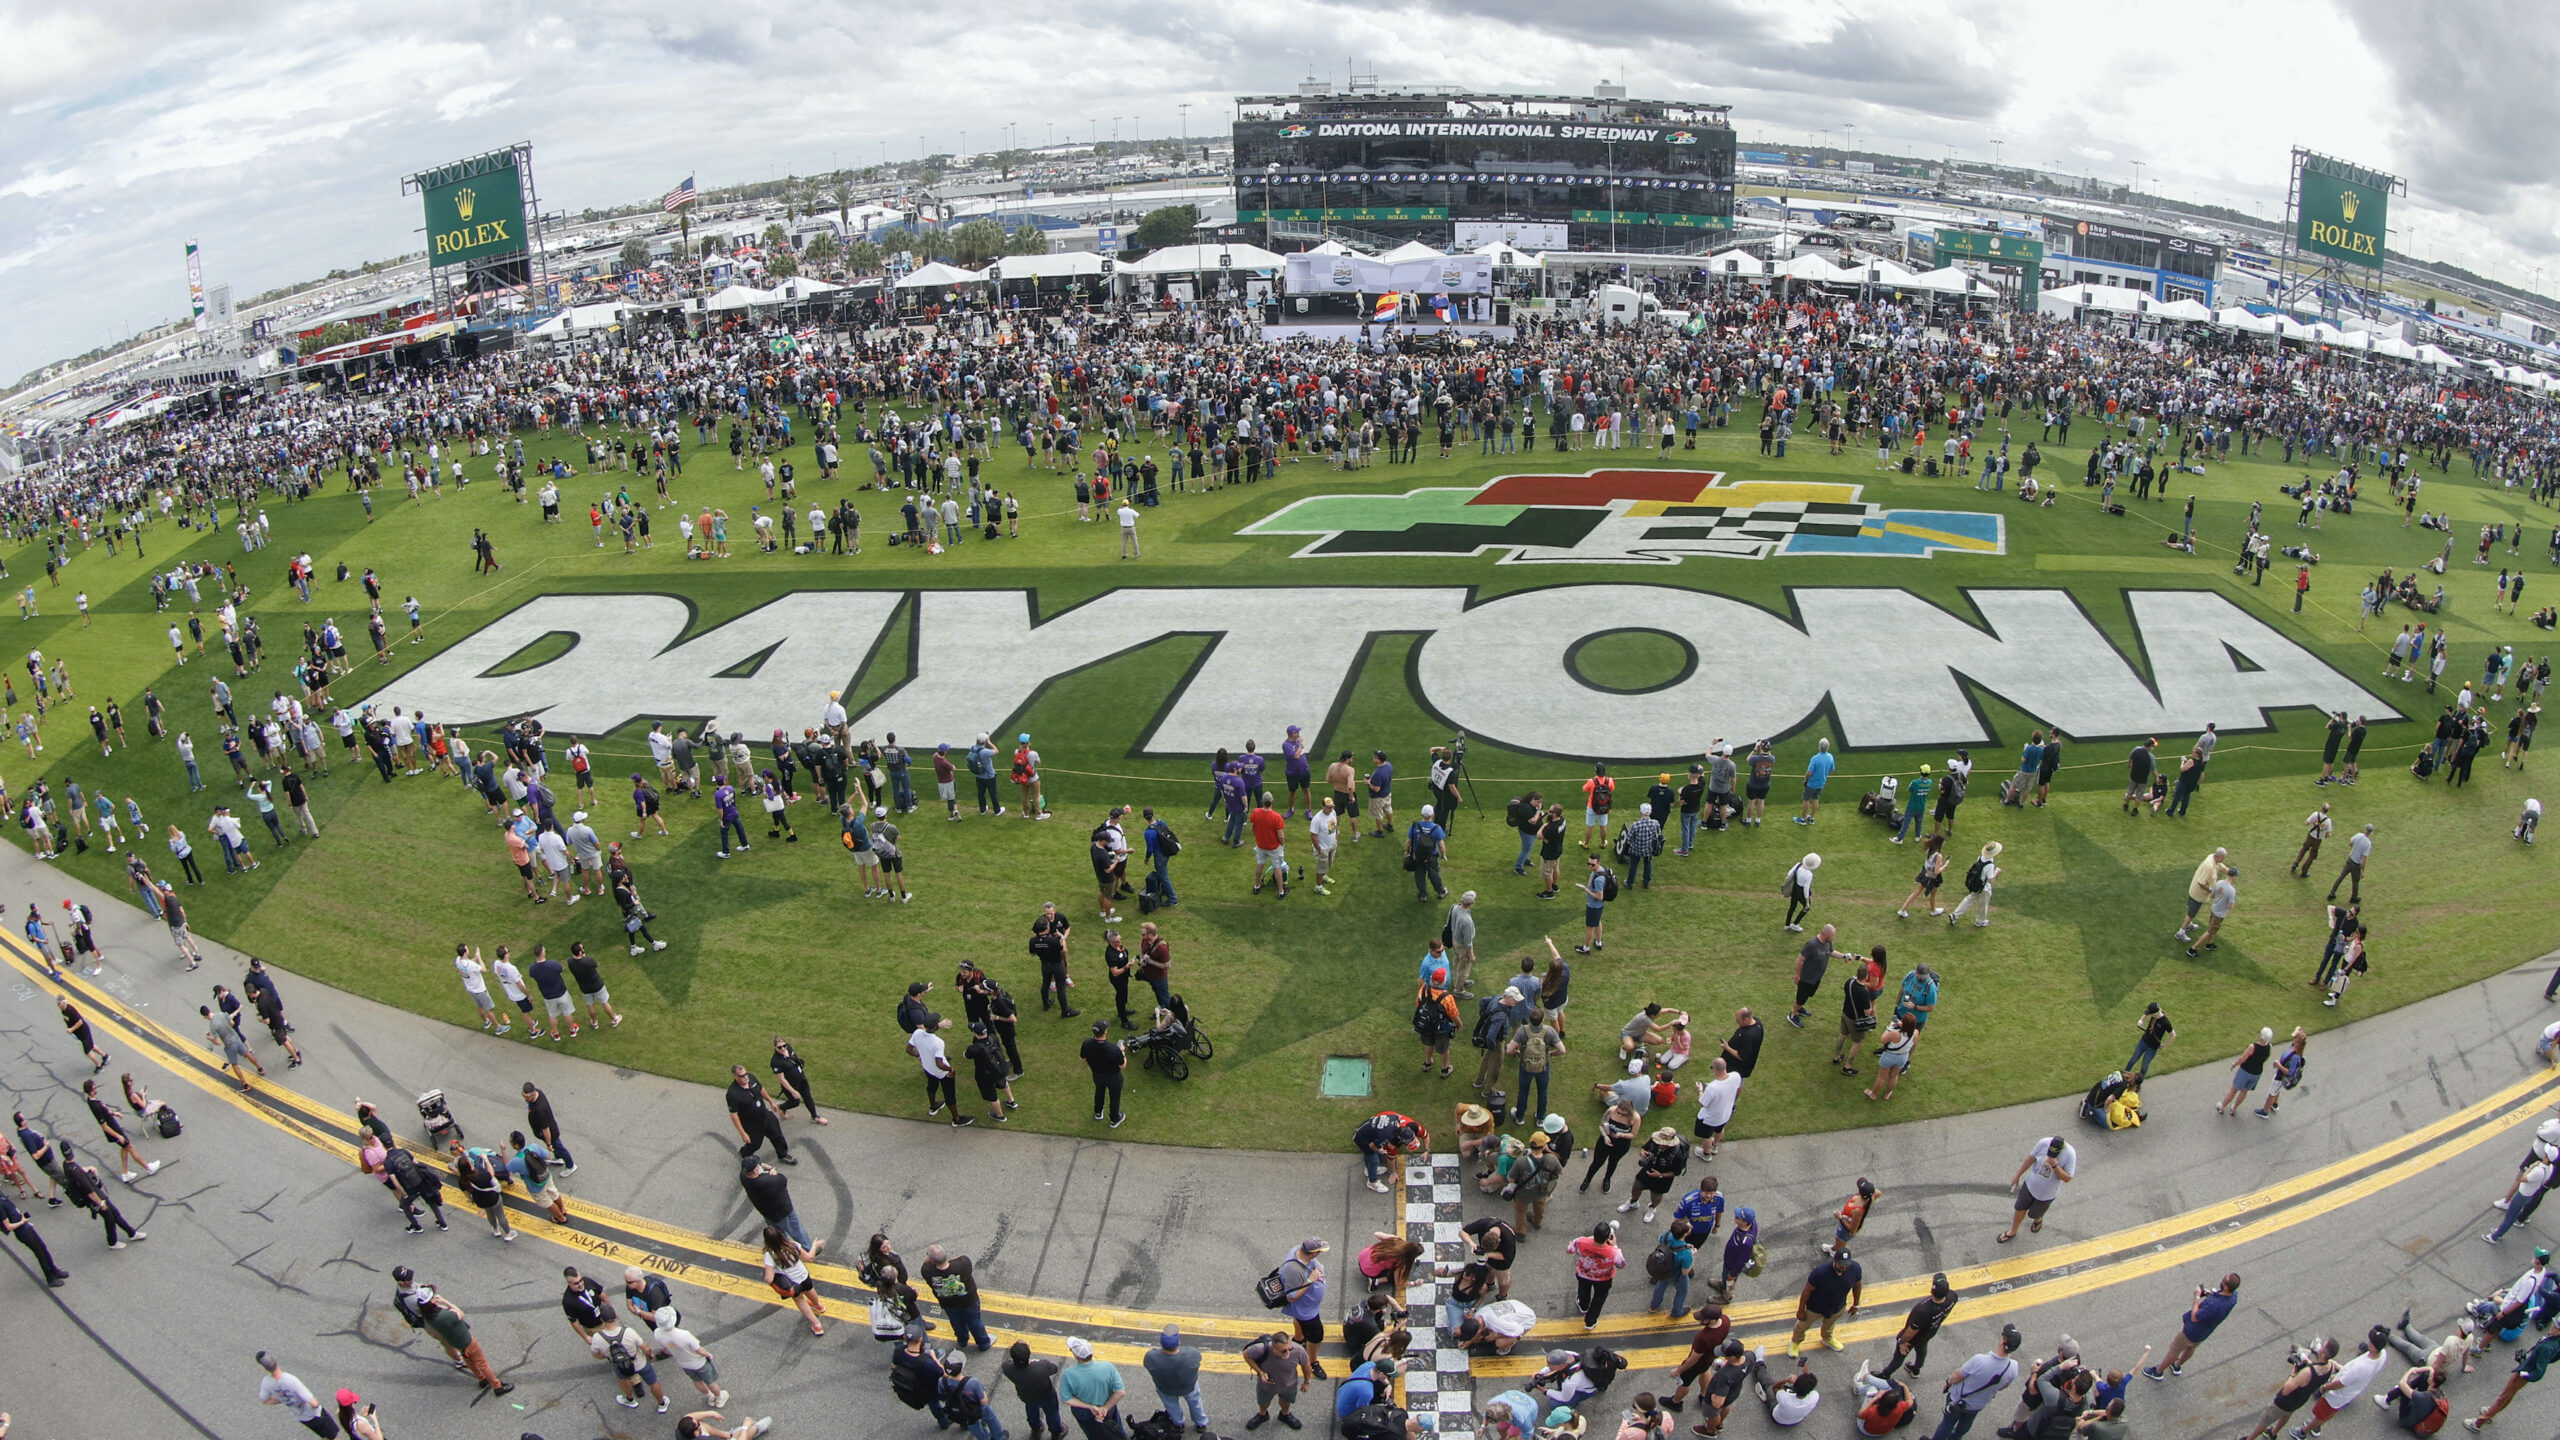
(1703, 1208)
(982, 770)
(2212, 1307)
(1817, 773)
(1919, 1000)
(1425, 844)
(1372, 1382)
(1382, 804)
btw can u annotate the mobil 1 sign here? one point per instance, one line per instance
(2342, 219)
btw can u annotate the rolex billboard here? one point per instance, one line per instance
(474, 216)
(2341, 219)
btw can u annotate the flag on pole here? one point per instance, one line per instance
(1384, 313)
(679, 197)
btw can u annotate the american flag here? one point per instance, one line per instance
(679, 197)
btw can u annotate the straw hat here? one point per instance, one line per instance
(1474, 1117)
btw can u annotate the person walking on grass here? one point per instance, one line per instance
(1598, 888)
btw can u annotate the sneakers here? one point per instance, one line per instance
(1623, 1209)
(1648, 1219)
(625, 1401)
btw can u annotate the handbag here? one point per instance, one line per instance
(1271, 1290)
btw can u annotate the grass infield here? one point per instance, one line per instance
(780, 940)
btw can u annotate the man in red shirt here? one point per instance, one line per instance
(1269, 830)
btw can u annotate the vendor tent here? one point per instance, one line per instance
(939, 276)
(1411, 250)
(1948, 280)
(1813, 267)
(1206, 259)
(2439, 357)
(2191, 312)
(1045, 267)
(738, 297)
(1737, 263)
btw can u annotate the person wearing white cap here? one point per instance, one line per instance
(1425, 846)
(2246, 1071)
(1799, 890)
(586, 855)
(1093, 1389)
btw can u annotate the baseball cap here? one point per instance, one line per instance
(1312, 1245)
(1080, 1348)
(1171, 1339)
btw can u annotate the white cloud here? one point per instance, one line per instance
(276, 134)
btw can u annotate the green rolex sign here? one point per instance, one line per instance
(2342, 219)
(475, 218)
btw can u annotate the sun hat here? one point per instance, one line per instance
(1474, 1115)
(1553, 1124)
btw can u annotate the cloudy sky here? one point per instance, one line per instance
(275, 133)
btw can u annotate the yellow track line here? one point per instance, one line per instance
(2265, 1210)
(2064, 1287)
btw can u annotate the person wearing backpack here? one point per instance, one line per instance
(628, 1354)
(1977, 886)
(1435, 1020)
(1425, 846)
(2288, 1070)
(1668, 1264)
(1536, 1044)
(1523, 815)
(964, 1399)
(1598, 889)
(1598, 794)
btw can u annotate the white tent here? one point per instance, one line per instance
(1331, 247)
(2192, 312)
(1045, 267)
(1808, 265)
(1207, 259)
(2236, 317)
(2338, 339)
(2439, 357)
(2109, 298)
(1947, 280)
(1737, 262)
(939, 276)
(579, 317)
(1875, 270)
(799, 288)
(1412, 250)
(1504, 256)
(2293, 329)
(2395, 347)
(739, 297)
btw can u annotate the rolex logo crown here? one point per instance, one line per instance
(462, 200)
(2347, 205)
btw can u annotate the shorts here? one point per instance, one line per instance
(866, 858)
(599, 995)
(524, 1003)
(2028, 1205)
(1805, 990)
(559, 1007)
(1705, 1131)
(1812, 793)
(1894, 1060)
(1262, 857)
(1264, 1392)
(525, 869)
(894, 864)
(705, 1373)
(988, 1090)
(1591, 817)
(481, 999)
(2243, 1081)
(586, 779)
(279, 1029)
(1591, 917)
(946, 789)
(1755, 790)
(1342, 804)
(1324, 861)
(1851, 1029)
(647, 1374)
(2193, 905)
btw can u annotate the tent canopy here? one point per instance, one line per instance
(1737, 262)
(1411, 250)
(1505, 256)
(738, 297)
(1046, 267)
(938, 274)
(2191, 311)
(1204, 259)
(2439, 357)
(1811, 266)
(1946, 280)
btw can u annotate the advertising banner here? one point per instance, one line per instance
(1308, 273)
(1519, 234)
(2342, 219)
(195, 283)
(476, 218)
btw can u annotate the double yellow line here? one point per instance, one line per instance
(2003, 1287)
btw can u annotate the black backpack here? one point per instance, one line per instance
(1378, 1421)
(1167, 844)
(1482, 1037)
(1973, 877)
(535, 1167)
(1516, 814)
(619, 1352)
(962, 1408)
(1608, 884)
(169, 1126)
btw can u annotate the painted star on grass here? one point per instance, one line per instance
(2124, 916)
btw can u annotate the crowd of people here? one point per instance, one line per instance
(1134, 413)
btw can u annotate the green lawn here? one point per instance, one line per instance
(780, 941)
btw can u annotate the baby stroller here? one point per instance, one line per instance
(2093, 1106)
(1172, 1045)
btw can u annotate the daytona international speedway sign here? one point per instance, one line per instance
(1893, 669)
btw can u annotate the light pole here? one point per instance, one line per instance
(2137, 177)
(1185, 108)
(1270, 177)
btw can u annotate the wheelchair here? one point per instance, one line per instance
(1173, 1045)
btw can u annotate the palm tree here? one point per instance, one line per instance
(841, 193)
(1027, 239)
(823, 248)
(635, 253)
(862, 257)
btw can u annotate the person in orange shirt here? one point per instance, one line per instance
(1598, 794)
(1270, 830)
